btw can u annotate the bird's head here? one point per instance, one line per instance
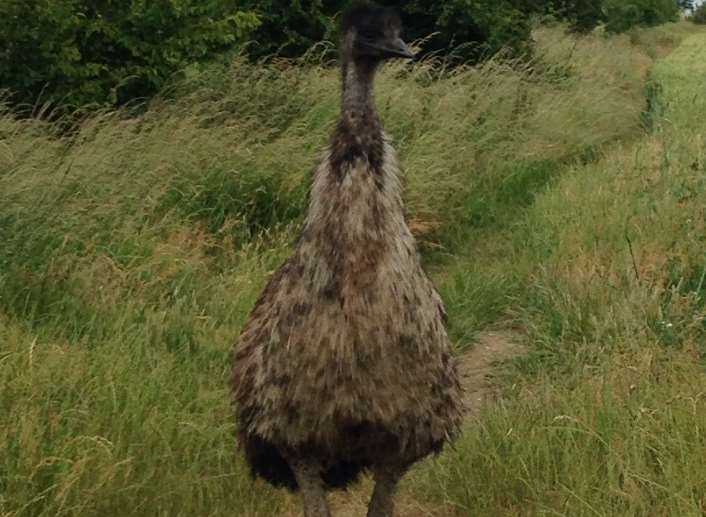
(373, 34)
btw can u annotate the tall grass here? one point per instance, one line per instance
(605, 416)
(133, 248)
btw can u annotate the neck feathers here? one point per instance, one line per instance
(358, 99)
(359, 134)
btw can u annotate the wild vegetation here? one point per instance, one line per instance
(605, 415)
(561, 196)
(75, 52)
(78, 55)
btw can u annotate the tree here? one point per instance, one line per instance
(110, 52)
(699, 15)
(102, 51)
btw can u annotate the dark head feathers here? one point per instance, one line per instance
(364, 17)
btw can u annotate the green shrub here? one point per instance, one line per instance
(491, 25)
(291, 28)
(622, 15)
(585, 15)
(79, 52)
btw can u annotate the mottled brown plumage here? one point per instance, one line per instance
(345, 362)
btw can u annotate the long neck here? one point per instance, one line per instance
(358, 102)
(358, 135)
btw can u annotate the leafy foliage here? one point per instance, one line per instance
(290, 28)
(489, 24)
(79, 51)
(622, 15)
(478, 27)
(584, 15)
(618, 16)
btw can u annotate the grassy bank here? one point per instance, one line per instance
(133, 249)
(606, 414)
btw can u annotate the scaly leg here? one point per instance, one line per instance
(308, 475)
(387, 478)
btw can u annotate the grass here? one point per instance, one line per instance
(605, 416)
(133, 249)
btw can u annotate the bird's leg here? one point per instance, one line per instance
(311, 485)
(387, 478)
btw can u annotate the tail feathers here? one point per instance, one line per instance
(266, 462)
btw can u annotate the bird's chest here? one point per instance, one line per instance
(355, 241)
(361, 219)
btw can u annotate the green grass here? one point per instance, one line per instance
(605, 416)
(133, 249)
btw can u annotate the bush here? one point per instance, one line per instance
(584, 15)
(79, 52)
(622, 15)
(472, 28)
(488, 26)
(289, 29)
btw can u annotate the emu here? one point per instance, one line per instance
(345, 365)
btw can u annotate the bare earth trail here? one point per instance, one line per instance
(478, 367)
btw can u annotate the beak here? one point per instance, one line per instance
(389, 48)
(398, 48)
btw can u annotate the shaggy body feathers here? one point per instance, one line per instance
(346, 352)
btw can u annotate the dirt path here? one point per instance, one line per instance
(477, 367)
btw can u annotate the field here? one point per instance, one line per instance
(560, 202)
